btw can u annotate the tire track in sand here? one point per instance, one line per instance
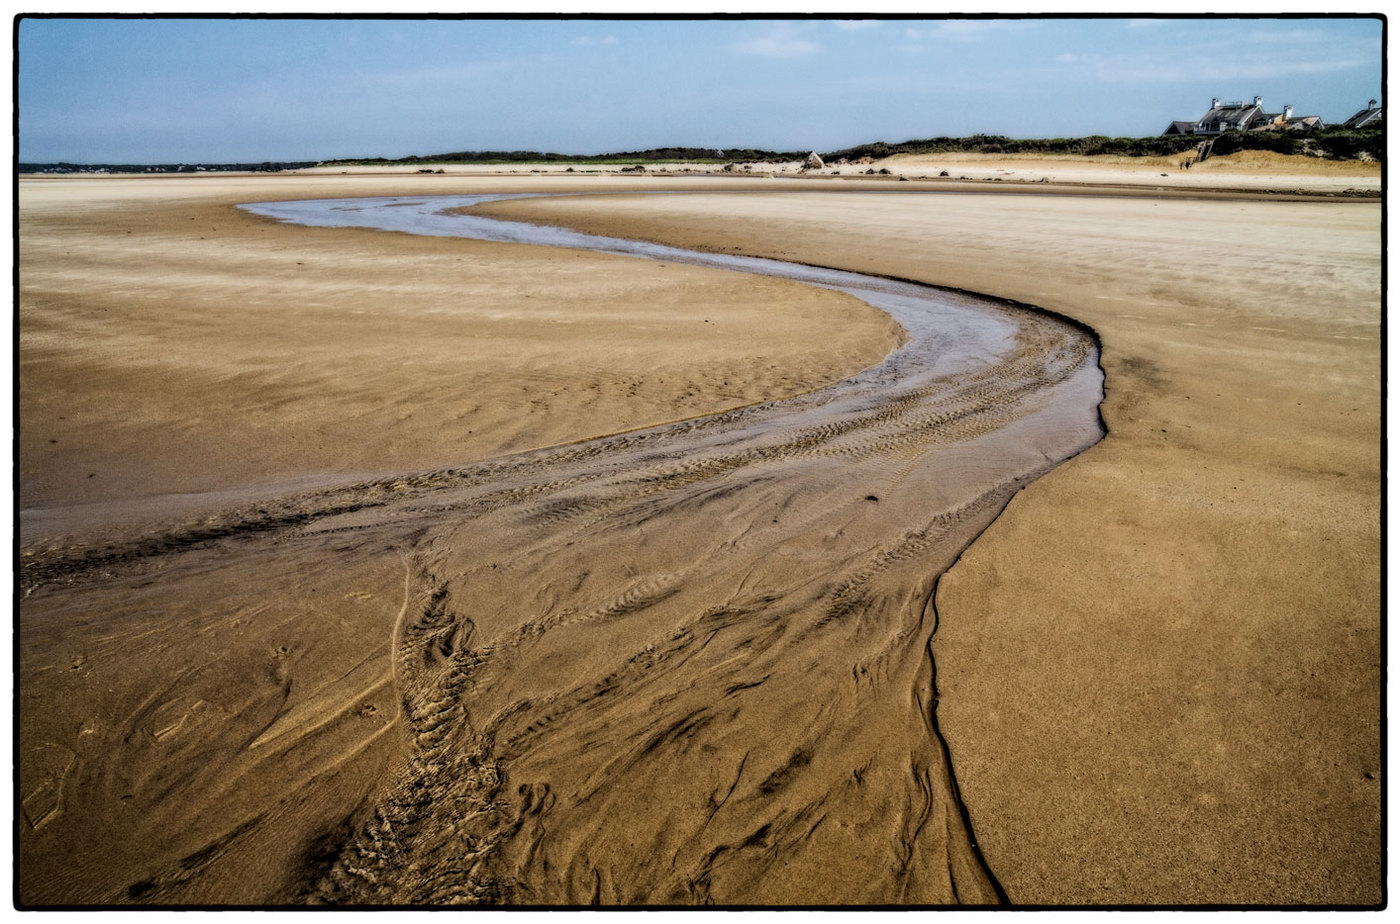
(688, 664)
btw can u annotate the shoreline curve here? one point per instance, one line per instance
(466, 708)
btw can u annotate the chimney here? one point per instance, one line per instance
(1371, 104)
(1215, 102)
(1259, 101)
(1287, 113)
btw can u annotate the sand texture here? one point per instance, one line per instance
(1160, 669)
(337, 589)
(1243, 170)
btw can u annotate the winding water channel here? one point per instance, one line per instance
(686, 664)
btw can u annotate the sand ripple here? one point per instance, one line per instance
(688, 664)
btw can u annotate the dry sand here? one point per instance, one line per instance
(1245, 170)
(1254, 170)
(1158, 670)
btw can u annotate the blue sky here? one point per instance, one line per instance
(147, 90)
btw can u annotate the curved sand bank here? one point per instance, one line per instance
(1175, 700)
(580, 631)
(172, 343)
(1160, 668)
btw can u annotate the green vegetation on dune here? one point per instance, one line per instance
(1332, 143)
(1000, 144)
(1336, 144)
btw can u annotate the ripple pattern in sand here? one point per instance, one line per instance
(682, 665)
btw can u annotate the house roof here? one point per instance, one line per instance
(1369, 114)
(1274, 119)
(1230, 112)
(1251, 115)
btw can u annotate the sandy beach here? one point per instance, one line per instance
(330, 592)
(1245, 170)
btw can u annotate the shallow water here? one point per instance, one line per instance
(682, 665)
(950, 332)
(955, 331)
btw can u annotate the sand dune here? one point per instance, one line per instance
(1244, 170)
(692, 663)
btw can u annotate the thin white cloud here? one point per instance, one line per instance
(974, 30)
(1154, 69)
(782, 41)
(441, 75)
(965, 30)
(772, 46)
(1272, 67)
(1296, 37)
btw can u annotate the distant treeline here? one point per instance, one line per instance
(1338, 144)
(1335, 143)
(266, 166)
(651, 156)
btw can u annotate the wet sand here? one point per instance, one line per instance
(1159, 669)
(266, 353)
(361, 704)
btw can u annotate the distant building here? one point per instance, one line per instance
(1287, 121)
(1371, 115)
(1243, 116)
(1222, 117)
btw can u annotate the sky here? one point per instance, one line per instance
(251, 90)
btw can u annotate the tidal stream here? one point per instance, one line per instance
(681, 665)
